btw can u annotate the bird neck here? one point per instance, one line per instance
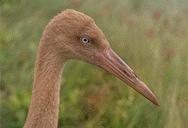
(45, 99)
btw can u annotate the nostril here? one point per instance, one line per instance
(126, 73)
(135, 74)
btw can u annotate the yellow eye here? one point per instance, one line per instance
(85, 40)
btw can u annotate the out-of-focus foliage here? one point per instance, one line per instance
(151, 36)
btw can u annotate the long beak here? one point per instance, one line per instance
(112, 63)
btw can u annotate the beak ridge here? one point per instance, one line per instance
(112, 63)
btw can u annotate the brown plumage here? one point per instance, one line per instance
(72, 35)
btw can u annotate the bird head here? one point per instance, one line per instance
(74, 35)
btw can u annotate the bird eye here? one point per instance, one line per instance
(85, 40)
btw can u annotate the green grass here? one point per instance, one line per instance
(151, 37)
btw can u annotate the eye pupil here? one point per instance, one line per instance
(85, 40)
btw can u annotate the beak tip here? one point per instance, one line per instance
(154, 100)
(157, 103)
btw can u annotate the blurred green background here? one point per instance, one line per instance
(150, 36)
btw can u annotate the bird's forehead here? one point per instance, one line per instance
(76, 24)
(77, 18)
(84, 25)
(96, 35)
